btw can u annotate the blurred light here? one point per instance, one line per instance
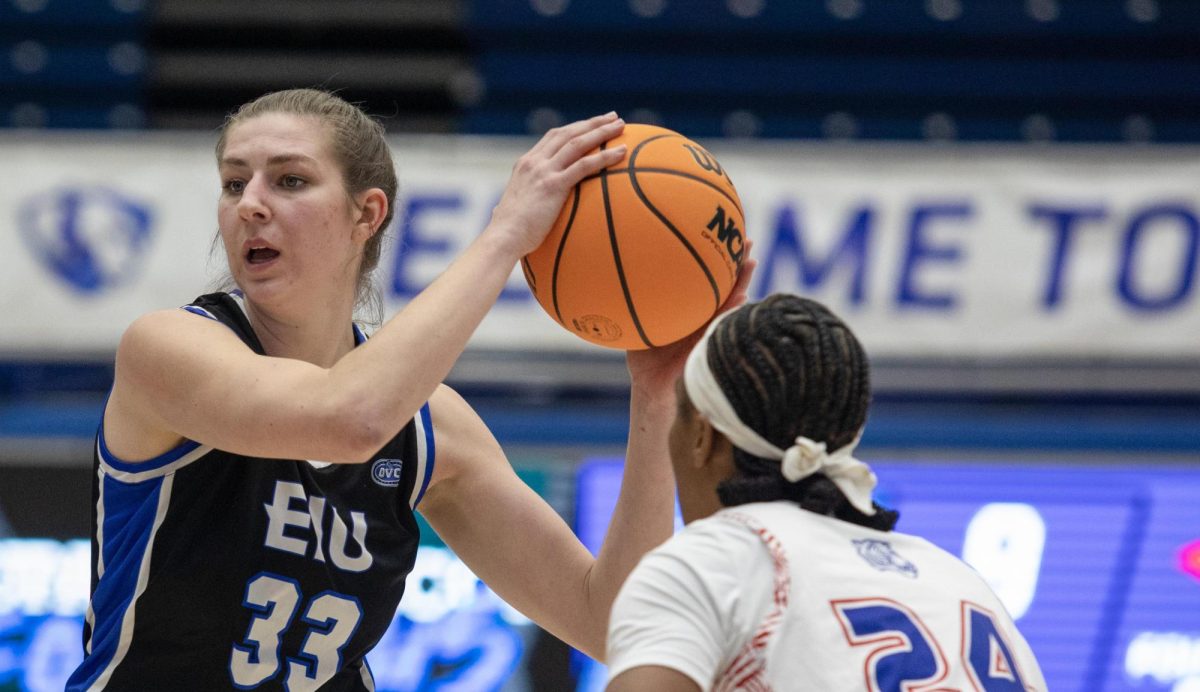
(648, 8)
(127, 58)
(839, 125)
(31, 6)
(944, 10)
(1038, 128)
(29, 57)
(1164, 657)
(44, 576)
(1142, 10)
(467, 87)
(939, 127)
(1138, 128)
(540, 120)
(549, 8)
(844, 9)
(746, 8)
(742, 124)
(1042, 10)
(28, 115)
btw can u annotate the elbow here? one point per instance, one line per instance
(358, 431)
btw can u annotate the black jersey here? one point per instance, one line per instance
(212, 570)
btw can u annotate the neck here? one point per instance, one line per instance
(317, 333)
(700, 500)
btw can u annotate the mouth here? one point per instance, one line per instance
(261, 255)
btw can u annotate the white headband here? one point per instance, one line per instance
(806, 457)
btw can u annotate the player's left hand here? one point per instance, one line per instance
(656, 369)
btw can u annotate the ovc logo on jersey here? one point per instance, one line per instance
(92, 238)
(879, 554)
(387, 472)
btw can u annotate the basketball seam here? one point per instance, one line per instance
(529, 275)
(669, 171)
(630, 168)
(637, 189)
(616, 252)
(558, 253)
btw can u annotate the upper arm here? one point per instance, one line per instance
(179, 375)
(655, 678)
(504, 531)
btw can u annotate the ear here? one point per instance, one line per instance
(704, 436)
(717, 453)
(372, 208)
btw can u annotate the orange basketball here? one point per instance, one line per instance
(645, 251)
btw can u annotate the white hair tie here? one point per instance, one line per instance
(804, 458)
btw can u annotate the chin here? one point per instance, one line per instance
(263, 292)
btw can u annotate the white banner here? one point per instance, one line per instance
(927, 251)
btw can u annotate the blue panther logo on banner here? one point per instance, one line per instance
(92, 238)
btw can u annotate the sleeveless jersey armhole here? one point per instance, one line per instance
(423, 429)
(131, 472)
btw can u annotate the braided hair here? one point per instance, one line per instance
(790, 367)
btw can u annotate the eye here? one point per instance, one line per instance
(292, 181)
(234, 186)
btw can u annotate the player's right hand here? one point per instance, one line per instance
(543, 176)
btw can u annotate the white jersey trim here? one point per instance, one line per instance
(422, 428)
(162, 465)
(748, 669)
(127, 619)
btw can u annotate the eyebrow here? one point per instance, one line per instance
(272, 161)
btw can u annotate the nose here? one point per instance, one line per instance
(252, 204)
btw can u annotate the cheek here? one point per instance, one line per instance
(227, 219)
(225, 230)
(330, 228)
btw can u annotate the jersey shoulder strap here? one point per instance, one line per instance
(227, 309)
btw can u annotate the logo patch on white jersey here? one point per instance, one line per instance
(387, 472)
(881, 556)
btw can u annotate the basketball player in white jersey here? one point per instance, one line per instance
(788, 576)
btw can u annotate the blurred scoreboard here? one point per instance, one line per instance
(1100, 565)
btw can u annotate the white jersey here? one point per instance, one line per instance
(769, 596)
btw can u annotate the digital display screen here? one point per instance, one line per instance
(450, 631)
(1100, 566)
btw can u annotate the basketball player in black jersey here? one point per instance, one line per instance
(259, 462)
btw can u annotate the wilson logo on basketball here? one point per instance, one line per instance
(705, 160)
(387, 472)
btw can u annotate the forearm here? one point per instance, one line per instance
(400, 366)
(644, 516)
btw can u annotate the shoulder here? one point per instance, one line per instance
(690, 603)
(709, 565)
(717, 541)
(159, 342)
(718, 555)
(173, 325)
